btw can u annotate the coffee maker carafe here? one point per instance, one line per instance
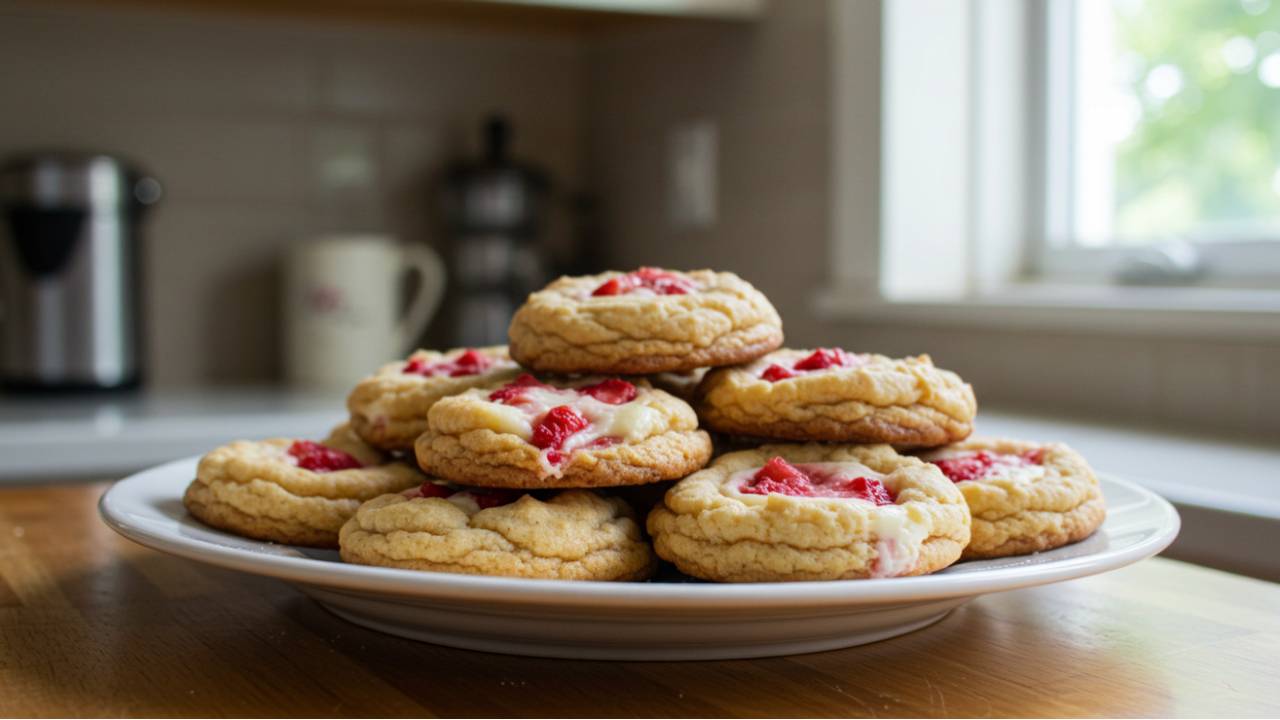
(70, 267)
(493, 211)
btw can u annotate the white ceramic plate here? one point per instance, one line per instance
(671, 618)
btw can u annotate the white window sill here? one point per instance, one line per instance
(1230, 314)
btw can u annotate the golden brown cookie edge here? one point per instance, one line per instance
(695, 450)
(223, 516)
(716, 355)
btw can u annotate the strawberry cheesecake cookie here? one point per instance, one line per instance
(583, 433)
(389, 408)
(296, 492)
(572, 535)
(643, 322)
(811, 512)
(1024, 497)
(833, 395)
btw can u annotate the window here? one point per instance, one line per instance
(1161, 142)
(1029, 146)
(1012, 173)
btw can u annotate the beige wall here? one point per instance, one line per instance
(764, 86)
(265, 132)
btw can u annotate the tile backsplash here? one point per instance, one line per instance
(267, 131)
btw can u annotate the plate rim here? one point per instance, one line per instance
(297, 568)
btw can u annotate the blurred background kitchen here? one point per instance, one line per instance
(217, 215)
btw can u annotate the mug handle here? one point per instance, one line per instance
(431, 279)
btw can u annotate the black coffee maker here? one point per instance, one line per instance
(70, 270)
(494, 211)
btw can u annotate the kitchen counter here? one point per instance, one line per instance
(1231, 522)
(92, 624)
(101, 436)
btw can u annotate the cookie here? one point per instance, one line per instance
(573, 535)
(296, 492)
(581, 433)
(836, 396)
(811, 512)
(389, 408)
(1024, 497)
(644, 322)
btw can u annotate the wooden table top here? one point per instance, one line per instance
(92, 624)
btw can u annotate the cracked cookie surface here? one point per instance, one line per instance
(574, 535)
(1024, 497)
(716, 319)
(389, 408)
(725, 523)
(530, 434)
(257, 489)
(905, 402)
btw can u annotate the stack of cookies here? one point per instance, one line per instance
(531, 461)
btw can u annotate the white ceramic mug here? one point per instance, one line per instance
(342, 306)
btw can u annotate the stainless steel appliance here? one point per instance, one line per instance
(70, 266)
(493, 213)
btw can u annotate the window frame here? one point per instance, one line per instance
(1052, 249)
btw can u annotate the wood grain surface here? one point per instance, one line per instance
(92, 624)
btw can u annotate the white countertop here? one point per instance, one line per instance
(110, 435)
(106, 436)
(1228, 492)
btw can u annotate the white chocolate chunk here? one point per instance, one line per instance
(633, 422)
(899, 532)
(507, 419)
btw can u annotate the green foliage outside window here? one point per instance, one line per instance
(1203, 85)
